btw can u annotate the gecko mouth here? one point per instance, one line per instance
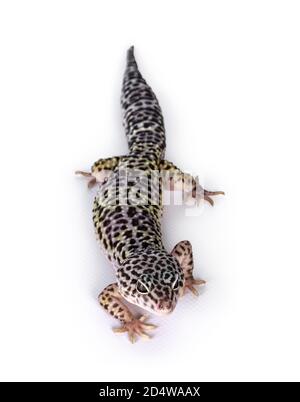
(160, 309)
(165, 307)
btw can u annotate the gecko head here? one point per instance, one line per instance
(151, 280)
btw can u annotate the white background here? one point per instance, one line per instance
(227, 76)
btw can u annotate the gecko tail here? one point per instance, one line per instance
(142, 117)
(131, 62)
(130, 55)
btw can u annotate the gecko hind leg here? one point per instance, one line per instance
(184, 254)
(92, 181)
(175, 179)
(100, 171)
(199, 192)
(111, 300)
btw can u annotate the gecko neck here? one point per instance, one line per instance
(145, 250)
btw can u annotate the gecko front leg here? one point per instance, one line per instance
(184, 254)
(111, 300)
(100, 171)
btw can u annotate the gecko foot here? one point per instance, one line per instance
(199, 193)
(190, 284)
(135, 328)
(92, 180)
(209, 194)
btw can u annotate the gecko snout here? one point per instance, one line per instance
(165, 306)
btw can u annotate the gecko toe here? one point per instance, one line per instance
(190, 284)
(136, 328)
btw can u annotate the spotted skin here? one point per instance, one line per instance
(184, 255)
(128, 225)
(142, 116)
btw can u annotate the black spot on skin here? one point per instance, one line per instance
(126, 276)
(120, 246)
(128, 233)
(122, 221)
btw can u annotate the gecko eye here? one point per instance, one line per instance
(142, 288)
(175, 284)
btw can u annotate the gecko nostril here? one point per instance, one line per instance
(164, 305)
